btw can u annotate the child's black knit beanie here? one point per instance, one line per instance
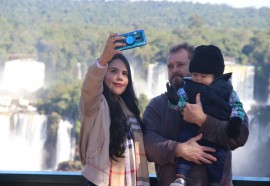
(207, 59)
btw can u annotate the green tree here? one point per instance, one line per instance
(195, 21)
(60, 98)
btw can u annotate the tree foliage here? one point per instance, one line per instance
(59, 98)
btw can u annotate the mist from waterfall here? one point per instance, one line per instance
(23, 75)
(155, 82)
(248, 160)
(22, 139)
(243, 82)
(23, 131)
(252, 159)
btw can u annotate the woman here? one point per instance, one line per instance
(111, 143)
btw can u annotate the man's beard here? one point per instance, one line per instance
(177, 82)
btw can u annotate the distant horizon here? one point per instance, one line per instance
(232, 3)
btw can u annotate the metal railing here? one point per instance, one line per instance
(41, 178)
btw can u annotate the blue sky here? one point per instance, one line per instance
(233, 3)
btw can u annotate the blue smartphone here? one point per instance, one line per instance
(133, 39)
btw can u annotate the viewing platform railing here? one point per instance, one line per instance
(41, 178)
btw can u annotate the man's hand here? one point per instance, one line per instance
(192, 151)
(193, 113)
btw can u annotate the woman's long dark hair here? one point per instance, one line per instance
(118, 119)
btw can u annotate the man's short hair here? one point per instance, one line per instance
(186, 46)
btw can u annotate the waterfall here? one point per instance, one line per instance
(243, 82)
(22, 139)
(246, 159)
(157, 77)
(31, 75)
(64, 142)
(252, 158)
(79, 72)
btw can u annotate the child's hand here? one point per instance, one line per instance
(234, 127)
(237, 107)
(172, 95)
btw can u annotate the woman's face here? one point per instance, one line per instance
(116, 77)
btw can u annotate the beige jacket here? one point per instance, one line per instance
(95, 123)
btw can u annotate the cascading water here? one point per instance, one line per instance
(249, 159)
(23, 132)
(243, 82)
(157, 77)
(65, 143)
(21, 141)
(252, 159)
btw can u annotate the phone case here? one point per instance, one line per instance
(133, 39)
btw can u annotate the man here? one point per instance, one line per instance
(162, 126)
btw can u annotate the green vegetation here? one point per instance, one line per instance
(60, 98)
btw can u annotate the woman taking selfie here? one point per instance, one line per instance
(111, 142)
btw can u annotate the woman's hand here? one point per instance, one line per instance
(109, 50)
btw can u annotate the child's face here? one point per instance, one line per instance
(205, 79)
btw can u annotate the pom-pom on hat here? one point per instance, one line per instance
(207, 59)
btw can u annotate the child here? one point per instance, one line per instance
(218, 100)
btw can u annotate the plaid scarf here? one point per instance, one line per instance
(132, 169)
